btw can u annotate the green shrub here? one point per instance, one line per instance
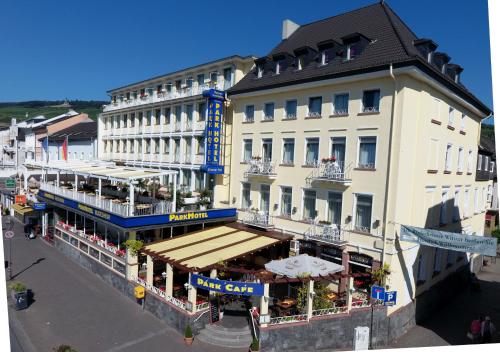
(496, 233)
(188, 333)
(133, 246)
(17, 286)
(64, 348)
(254, 346)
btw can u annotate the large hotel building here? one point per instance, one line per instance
(363, 89)
(160, 122)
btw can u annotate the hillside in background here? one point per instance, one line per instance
(48, 109)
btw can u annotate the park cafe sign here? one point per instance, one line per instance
(227, 287)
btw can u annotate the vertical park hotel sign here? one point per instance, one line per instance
(213, 132)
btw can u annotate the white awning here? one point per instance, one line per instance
(303, 265)
(104, 170)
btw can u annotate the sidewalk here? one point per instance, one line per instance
(450, 325)
(73, 306)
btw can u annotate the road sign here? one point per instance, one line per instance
(10, 183)
(39, 206)
(390, 298)
(378, 292)
(9, 234)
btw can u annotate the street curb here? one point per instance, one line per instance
(21, 335)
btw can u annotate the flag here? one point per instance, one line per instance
(65, 149)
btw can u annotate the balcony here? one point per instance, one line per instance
(327, 233)
(259, 167)
(199, 159)
(331, 171)
(199, 126)
(258, 219)
(113, 202)
(160, 96)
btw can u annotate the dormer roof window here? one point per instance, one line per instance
(304, 55)
(440, 60)
(327, 51)
(277, 67)
(454, 71)
(259, 64)
(280, 62)
(426, 48)
(354, 44)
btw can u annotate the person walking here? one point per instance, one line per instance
(475, 329)
(487, 330)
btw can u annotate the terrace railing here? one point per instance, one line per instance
(331, 171)
(327, 233)
(258, 219)
(258, 167)
(157, 208)
(288, 319)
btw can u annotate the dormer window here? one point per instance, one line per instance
(300, 62)
(324, 57)
(354, 44)
(168, 87)
(134, 94)
(158, 89)
(426, 48)
(128, 95)
(278, 67)
(260, 71)
(351, 51)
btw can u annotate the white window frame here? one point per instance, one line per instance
(348, 101)
(283, 150)
(243, 149)
(342, 208)
(277, 67)
(451, 115)
(479, 162)
(362, 107)
(462, 122)
(476, 200)
(460, 166)
(280, 200)
(260, 71)
(448, 156)
(355, 204)
(323, 57)
(376, 150)
(302, 205)
(305, 148)
(264, 111)
(245, 113)
(470, 157)
(443, 220)
(309, 103)
(456, 205)
(285, 112)
(241, 194)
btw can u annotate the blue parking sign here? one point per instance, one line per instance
(390, 298)
(378, 292)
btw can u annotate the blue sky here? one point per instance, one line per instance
(80, 49)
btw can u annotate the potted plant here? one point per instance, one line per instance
(188, 335)
(133, 246)
(203, 203)
(254, 346)
(19, 294)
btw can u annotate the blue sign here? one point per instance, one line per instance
(228, 287)
(390, 298)
(378, 292)
(146, 220)
(213, 132)
(39, 206)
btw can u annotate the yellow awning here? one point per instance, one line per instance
(206, 248)
(18, 208)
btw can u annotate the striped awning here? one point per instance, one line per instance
(203, 249)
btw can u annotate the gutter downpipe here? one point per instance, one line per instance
(391, 131)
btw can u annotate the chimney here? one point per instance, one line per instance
(288, 28)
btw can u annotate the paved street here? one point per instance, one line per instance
(73, 306)
(450, 325)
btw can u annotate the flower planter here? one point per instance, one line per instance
(188, 341)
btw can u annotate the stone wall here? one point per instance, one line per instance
(326, 333)
(171, 315)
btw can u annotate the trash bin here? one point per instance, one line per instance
(21, 300)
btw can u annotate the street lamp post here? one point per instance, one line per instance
(7, 226)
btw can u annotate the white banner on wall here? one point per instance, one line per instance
(449, 240)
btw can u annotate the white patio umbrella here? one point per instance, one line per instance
(303, 265)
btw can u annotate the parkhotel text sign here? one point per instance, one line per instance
(450, 240)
